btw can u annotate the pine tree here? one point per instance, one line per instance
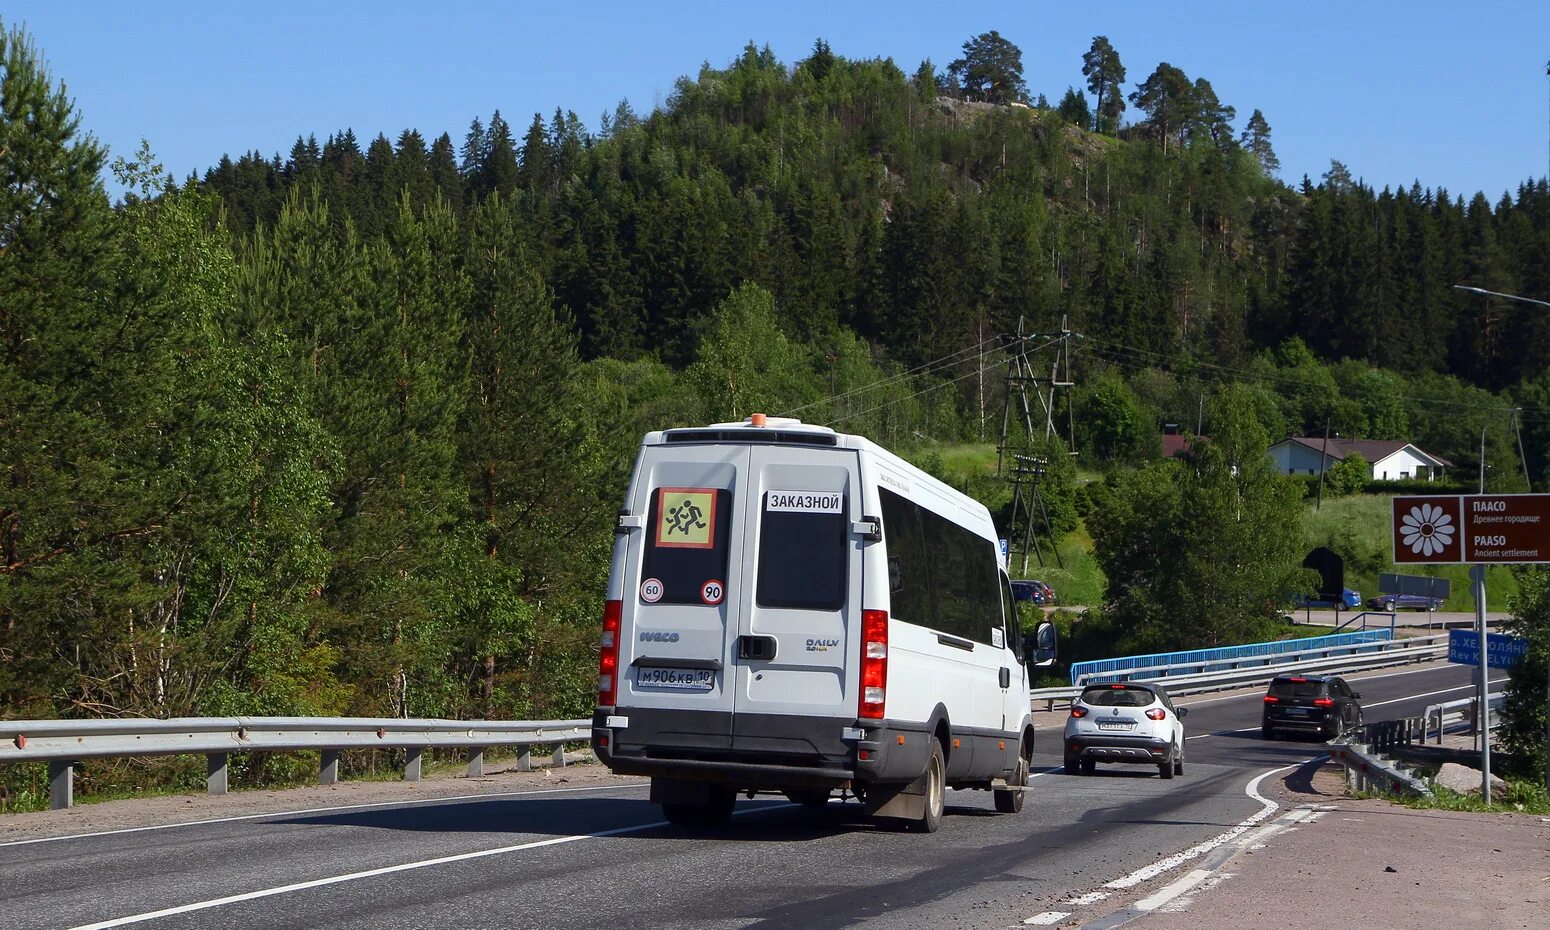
(62, 507)
(991, 69)
(500, 171)
(1101, 66)
(444, 175)
(537, 157)
(820, 62)
(1073, 108)
(1167, 99)
(412, 170)
(1256, 138)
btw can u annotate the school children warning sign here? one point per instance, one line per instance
(1492, 529)
(686, 518)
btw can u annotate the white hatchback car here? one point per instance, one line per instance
(1127, 722)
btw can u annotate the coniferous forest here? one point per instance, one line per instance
(343, 430)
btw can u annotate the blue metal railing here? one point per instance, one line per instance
(1199, 660)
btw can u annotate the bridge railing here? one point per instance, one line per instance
(1381, 653)
(1194, 661)
(61, 743)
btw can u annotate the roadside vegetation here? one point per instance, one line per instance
(344, 432)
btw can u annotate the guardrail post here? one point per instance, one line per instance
(61, 785)
(328, 767)
(412, 763)
(524, 758)
(476, 762)
(559, 756)
(215, 773)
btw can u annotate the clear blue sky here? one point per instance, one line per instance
(1452, 93)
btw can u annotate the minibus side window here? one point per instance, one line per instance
(909, 597)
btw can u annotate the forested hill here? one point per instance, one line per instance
(347, 432)
(886, 203)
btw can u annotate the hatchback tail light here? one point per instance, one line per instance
(1157, 713)
(1078, 711)
(608, 654)
(874, 664)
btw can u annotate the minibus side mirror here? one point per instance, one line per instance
(1039, 649)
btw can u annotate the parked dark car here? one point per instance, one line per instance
(1036, 592)
(1393, 602)
(1319, 704)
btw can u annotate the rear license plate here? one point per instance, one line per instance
(675, 679)
(1116, 725)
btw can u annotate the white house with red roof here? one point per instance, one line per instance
(1391, 459)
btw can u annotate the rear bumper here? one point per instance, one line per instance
(779, 752)
(1300, 724)
(1103, 748)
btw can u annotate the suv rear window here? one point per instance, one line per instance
(1287, 688)
(686, 546)
(1106, 696)
(802, 546)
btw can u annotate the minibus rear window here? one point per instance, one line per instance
(686, 546)
(802, 546)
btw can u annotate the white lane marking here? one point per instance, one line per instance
(317, 810)
(1173, 890)
(1047, 918)
(1221, 733)
(386, 870)
(1177, 859)
(1092, 897)
(1429, 694)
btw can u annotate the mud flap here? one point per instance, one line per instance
(904, 801)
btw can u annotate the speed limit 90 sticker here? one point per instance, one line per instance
(712, 592)
(651, 590)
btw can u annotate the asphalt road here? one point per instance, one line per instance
(603, 858)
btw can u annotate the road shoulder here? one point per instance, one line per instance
(173, 810)
(1352, 864)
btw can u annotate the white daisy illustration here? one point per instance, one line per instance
(1427, 529)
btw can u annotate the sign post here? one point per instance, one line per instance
(1475, 530)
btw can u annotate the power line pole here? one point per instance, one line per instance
(1025, 471)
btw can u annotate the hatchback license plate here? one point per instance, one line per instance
(1116, 725)
(675, 679)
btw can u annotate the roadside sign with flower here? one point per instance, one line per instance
(1500, 529)
(1426, 530)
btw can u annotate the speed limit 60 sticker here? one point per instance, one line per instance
(651, 590)
(712, 592)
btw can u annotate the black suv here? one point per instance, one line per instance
(1322, 704)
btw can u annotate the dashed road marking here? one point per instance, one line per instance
(1047, 918)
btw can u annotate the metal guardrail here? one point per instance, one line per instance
(61, 743)
(1364, 751)
(1167, 664)
(1385, 653)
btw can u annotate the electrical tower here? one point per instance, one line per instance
(1024, 471)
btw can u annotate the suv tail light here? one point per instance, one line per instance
(608, 654)
(1323, 702)
(874, 664)
(1157, 713)
(1272, 699)
(1078, 711)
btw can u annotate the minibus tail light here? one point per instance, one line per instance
(874, 664)
(608, 654)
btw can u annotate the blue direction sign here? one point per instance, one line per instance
(1502, 651)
